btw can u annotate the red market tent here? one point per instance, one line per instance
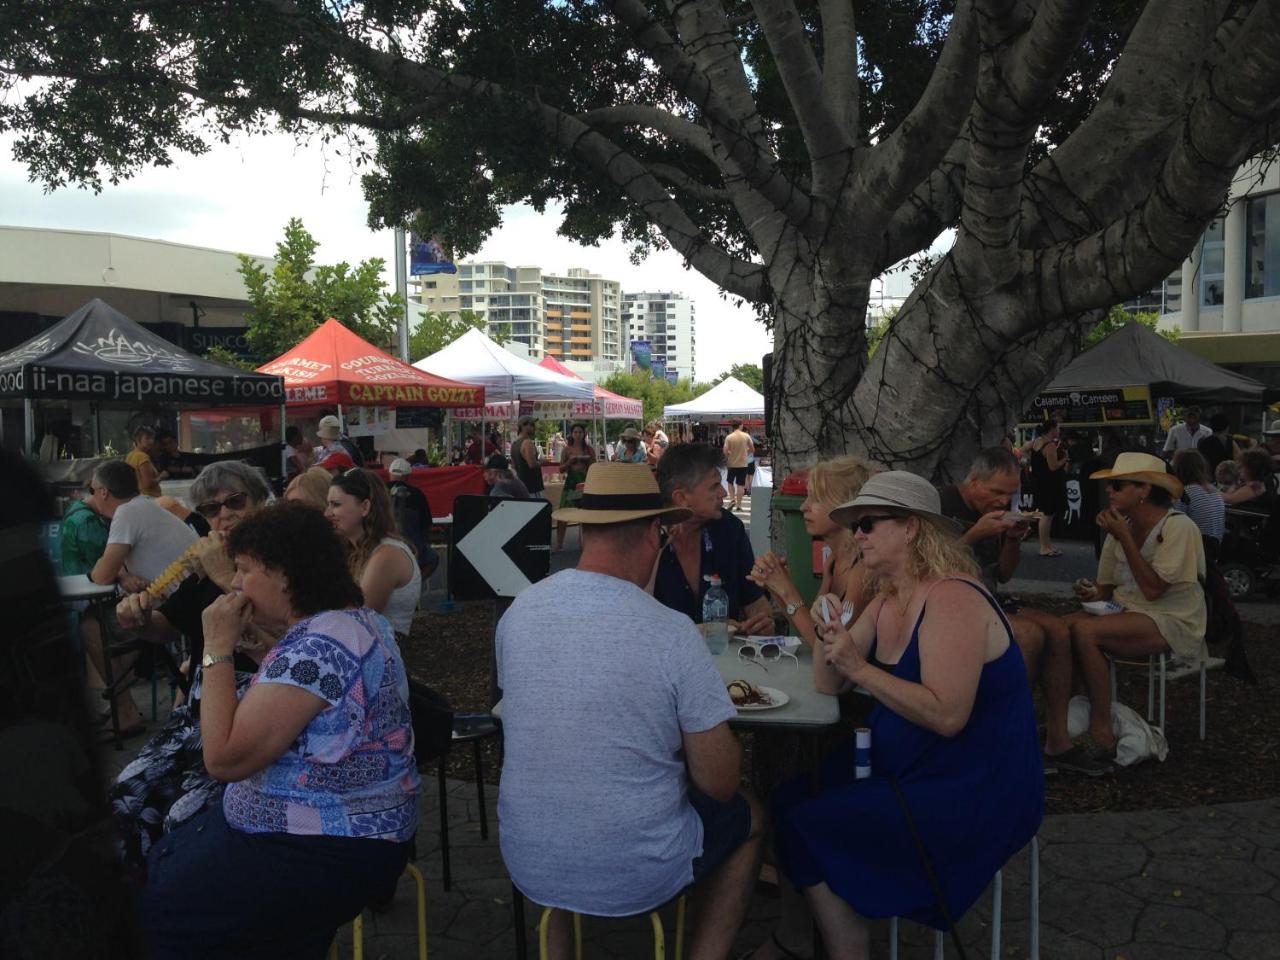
(607, 404)
(334, 366)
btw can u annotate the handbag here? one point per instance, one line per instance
(432, 719)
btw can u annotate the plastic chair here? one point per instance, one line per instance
(655, 918)
(1163, 659)
(472, 728)
(357, 925)
(997, 914)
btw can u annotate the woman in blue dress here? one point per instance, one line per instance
(953, 739)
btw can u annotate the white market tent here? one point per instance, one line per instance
(729, 398)
(474, 358)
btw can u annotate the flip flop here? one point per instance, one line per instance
(1051, 554)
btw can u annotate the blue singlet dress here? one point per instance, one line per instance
(977, 798)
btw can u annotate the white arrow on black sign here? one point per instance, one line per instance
(483, 545)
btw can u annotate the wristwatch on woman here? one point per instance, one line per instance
(792, 608)
(210, 659)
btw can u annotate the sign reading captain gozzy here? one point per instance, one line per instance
(1092, 408)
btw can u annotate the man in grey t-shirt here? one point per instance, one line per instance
(143, 539)
(620, 777)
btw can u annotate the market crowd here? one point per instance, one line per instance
(289, 753)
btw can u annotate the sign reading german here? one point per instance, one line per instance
(1110, 407)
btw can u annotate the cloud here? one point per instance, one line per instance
(239, 197)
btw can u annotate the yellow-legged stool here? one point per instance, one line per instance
(659, 935)
(357, 925)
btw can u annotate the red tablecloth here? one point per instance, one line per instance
(442, 485)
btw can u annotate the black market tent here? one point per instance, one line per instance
(1136, 355)
(99, 354)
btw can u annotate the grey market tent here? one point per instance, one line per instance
(1135, 355)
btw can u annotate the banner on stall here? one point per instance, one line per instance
(641, 355)
(369, 421)
(1109, 407)
(427, 255)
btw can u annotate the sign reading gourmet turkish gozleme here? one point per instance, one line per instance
(333, 366)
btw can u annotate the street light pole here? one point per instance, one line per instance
(402, 288)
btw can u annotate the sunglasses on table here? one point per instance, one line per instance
(763, 653)
(211, 508)
(867, 522)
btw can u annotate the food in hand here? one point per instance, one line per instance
(744, 694)
(163, 586)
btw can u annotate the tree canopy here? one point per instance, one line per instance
(288, 302)
(654, 392)
(749, 373)
(790, 150)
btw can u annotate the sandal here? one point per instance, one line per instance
(1079, 760)
(1051, 553)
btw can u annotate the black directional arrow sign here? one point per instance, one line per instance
(500, 546)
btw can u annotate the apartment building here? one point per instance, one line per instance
(573, 316)
(667, 321)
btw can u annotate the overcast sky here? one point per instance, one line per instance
(239, 197)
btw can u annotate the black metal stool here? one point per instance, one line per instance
(467, 727)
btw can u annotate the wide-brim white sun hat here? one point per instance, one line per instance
(897, 490)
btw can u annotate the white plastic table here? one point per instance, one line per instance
(81, 587)
(807, 710)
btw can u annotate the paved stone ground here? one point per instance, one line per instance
(1156, 885)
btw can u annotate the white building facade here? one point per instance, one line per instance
(669, 322)
(574, 317)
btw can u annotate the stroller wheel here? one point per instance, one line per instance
(1240, 579)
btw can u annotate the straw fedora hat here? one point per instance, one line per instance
(617, 493)
(629, 434)
(898, 490)
(1141, 468)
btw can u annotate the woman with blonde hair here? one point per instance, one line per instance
(830, 484)
(955, 765)
(310, 487)
(381, 561)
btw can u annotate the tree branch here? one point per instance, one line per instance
(825, 141)
(687, 184)
(684, 132)
(931, 208)
(749, 153)
(898, 164)
(840, 64)
(1234, 99)
(1110, 160)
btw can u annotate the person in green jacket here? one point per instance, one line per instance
(83, 538)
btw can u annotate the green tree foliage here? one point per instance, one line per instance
(220, 354)
(287, 303)
(435, 331)
(1118, 316)
(653, 392)
(749, 373)
(876, 329)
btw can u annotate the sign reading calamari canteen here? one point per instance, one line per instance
(1110, 407)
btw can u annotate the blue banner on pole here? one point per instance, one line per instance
(641, 354)
(428, 256)
(659, 367)
(673, 376)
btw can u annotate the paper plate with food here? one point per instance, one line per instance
(747, 696)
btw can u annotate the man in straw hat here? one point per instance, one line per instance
(620, 776)
(332, 439)
(1151, 565)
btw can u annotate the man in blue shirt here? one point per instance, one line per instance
(711, 542)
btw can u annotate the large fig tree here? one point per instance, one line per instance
(790, 150)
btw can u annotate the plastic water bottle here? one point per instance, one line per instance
(715, 616)
(862, 753)
(715, 602)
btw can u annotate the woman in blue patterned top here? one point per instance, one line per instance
(322, 799)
